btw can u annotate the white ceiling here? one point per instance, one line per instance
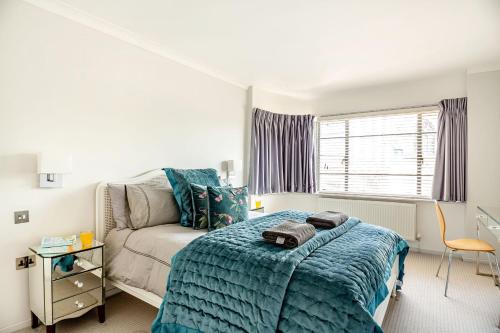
(309, 47)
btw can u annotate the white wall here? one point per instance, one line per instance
(117, 108)
(483, 113)
(425, 91)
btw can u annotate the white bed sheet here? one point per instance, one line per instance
(142, 258)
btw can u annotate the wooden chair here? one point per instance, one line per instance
(466, 244)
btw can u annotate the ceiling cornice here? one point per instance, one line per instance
(77, 15)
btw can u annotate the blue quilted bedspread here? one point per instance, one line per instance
(230, 280)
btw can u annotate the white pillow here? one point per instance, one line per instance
(119, 205)
(151, 205)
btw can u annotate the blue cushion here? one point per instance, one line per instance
(227, 205)
(180, 179)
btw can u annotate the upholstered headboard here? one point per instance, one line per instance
(104, 213)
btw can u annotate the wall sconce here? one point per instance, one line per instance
(51, 167)
(232, 166)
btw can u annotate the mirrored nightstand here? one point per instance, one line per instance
(66, 285)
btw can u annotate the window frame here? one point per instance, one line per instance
(419, 110)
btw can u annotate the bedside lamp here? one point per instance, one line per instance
(231, 167)
(51, 167)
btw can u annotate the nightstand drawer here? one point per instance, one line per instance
(69, 307)
(83, 261)
(76, 284)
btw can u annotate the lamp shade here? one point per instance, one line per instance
(234, 165)
(54, 163)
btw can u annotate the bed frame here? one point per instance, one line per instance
(105, 222)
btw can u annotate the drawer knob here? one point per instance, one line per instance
(78, 284)
(79, 305)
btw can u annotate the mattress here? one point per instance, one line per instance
(142, 258)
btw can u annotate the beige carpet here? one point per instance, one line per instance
(124, 314)
(473, 305)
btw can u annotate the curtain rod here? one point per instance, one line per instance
(378, 110)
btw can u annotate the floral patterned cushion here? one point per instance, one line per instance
(227, 205)
(199, 195)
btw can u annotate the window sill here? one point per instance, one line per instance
(374, 197)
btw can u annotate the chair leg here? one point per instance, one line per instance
(491, 268)
(448, 273)
(498, 270)
(498, 266)
(477, 263)
(442, 258)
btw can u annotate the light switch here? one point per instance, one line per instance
(21, 216)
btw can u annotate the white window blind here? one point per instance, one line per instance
(379, 153)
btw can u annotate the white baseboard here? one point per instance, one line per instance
(16, 327)
(424, 251)
(465, 256)
(483, 259)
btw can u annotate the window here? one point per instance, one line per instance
(379, 153)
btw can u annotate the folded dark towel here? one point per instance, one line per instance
(289, 234)
(327, 219)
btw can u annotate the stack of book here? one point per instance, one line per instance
(55, 245)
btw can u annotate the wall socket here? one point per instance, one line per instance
(25, 262)
(21, 216)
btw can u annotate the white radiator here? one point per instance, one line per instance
(400, 217)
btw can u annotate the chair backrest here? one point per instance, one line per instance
(441, 220)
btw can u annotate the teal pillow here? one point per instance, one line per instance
(180, 179)
(199, 195)
(227, 205)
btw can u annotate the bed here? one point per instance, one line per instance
(146, 254)
(134, 251)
